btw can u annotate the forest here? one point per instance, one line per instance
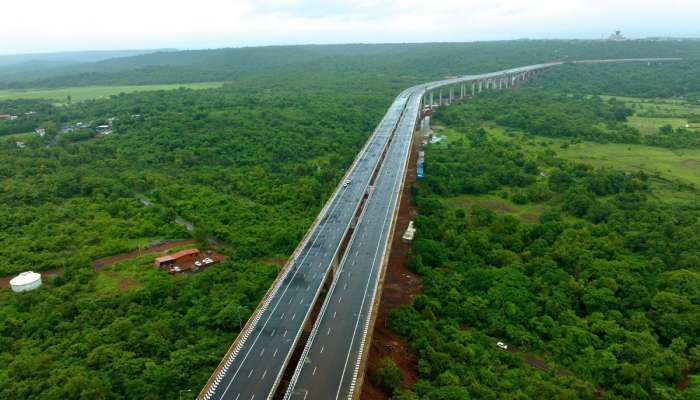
(413, 63)
(251, 163)
(248, 164)
(601, 288)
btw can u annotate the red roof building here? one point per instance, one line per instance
(180, 256)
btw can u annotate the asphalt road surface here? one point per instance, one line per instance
(331, 360)
(253, 370)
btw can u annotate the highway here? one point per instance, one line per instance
(331, 362)
(253, 368)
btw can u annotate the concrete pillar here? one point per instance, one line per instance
(451, 94)
(440, 100)
(473, 89)
(481, 86)
(432, 103)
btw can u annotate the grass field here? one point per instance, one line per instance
(94, 92)
(665, 165)
(652, 114)
(650, 126)
(18, 136)
(529, 213)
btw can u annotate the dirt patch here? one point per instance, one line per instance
(693, 164)
(498, 206)
(529, 218)
(280, 262)
(124, 284)
(155, 248)
(401, 286)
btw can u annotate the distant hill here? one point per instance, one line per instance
(33, 66)
(421, 61)
(71, 57)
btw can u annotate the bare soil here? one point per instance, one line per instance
(99, 263)
(401, 286)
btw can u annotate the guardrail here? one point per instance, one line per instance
(419, 90)
(231, 354)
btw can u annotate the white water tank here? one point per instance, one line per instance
(25, 281)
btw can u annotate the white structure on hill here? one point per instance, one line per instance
(617, 37)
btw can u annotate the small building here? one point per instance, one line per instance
(7, 117)
(40, 131)
(25, 281)
(189, 255)
(21, 145)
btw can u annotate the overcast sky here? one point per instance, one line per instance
(57, 25)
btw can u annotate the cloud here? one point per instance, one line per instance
(43, 25)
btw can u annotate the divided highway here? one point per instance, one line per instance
(253, 367)
(331, 362)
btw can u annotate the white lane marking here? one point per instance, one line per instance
(263, 375)
(262, 351)
(314, 373)
(275, 353)
(251, 373)
(311, 340)
(364, 297)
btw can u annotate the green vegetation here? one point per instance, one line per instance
(387, 376)
(667, 80)
(251, 163)
(129, 331)
(61, 95)
(252, 177)
(401, 62)
(602, 284)
(500, 203)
